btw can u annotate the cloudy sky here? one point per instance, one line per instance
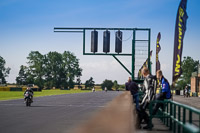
(27, 25)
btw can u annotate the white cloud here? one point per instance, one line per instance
(104, 69)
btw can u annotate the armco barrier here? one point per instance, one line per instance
(15, 89)
(36, 89)
(4, 88)
(174, 116)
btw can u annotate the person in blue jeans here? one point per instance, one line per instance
(133, 88)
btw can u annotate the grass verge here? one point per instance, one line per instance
(9, 95)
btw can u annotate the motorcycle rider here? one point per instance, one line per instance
(149, 87)
(30, 92)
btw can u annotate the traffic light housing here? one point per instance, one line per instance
(118, 41)
(94, 41)
(106, 41)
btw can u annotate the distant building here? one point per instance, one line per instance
(195, 81)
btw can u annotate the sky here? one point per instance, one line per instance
(27, 25)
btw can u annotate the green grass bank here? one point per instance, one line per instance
(9, 95)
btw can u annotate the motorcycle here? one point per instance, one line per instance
(28, 98)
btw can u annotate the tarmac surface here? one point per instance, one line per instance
(51, 114)
(64, 113)
(190, 101)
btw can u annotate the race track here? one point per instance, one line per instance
(51, 114)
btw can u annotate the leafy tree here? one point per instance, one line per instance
(188, 66)
(54, 72)
(22, 78)
(89, 83)
(115, 85)
(122, 87)
(71, 68)
(36, 68)
(180, 85)
(3, 71)
(107, 83)
(51, 70)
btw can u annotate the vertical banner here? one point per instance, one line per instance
(158, 48)
(180, 29)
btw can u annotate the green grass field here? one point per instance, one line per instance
(9, 95)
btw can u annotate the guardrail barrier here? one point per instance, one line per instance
(178, 117)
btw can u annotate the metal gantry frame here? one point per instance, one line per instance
(83, 31)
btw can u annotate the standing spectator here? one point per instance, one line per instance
(184, 91)
(128, 83)
(187, 91)
(133, 87)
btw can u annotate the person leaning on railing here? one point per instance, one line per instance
(149, 85)
(165, 91)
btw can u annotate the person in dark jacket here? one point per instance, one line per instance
(128, 83)
(133, 87)
(165, 91)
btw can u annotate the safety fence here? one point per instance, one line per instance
(17, 89)
(178, 117)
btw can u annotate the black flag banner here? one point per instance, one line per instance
(158, 48)
(180, 29)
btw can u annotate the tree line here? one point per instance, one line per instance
(109, 84)
(59, 70)
(50, 70)
(62, 70)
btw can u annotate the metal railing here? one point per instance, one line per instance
(178, 117)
